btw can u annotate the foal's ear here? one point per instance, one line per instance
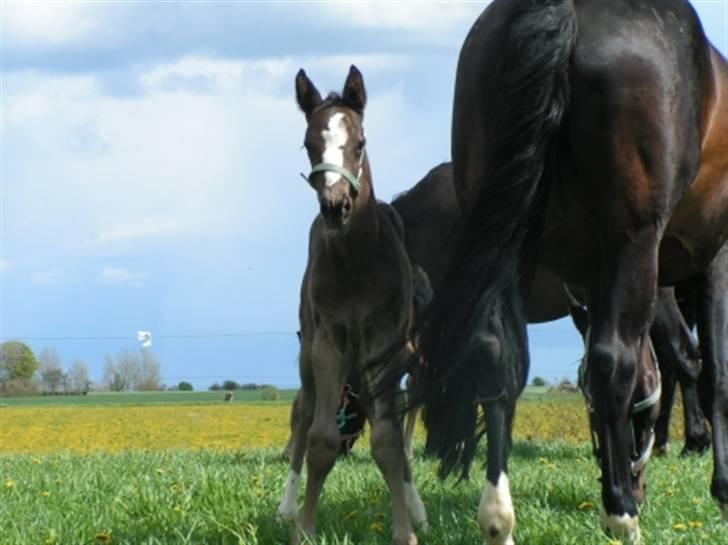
(355, 95)
(307, 95)
(579, 313)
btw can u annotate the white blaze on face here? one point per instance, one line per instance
(624, 527)
(495, 514)
(288, 508)
(335, 137)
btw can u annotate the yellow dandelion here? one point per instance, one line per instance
(669, 493)
(103, 537)
(695, 524)
(696, 501)
(177, 509)
(585, 505)
(377, 527)
(159, 471)
(9, 484)
(679, 526)
(543, 461)
(36, 460)
(45, 493)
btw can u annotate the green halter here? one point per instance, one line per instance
(330, 167)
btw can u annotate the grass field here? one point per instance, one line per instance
(140, 398)
(152, 488)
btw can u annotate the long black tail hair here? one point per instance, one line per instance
(483, 279)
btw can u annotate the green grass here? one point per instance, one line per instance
(141, 398)
(208, 498)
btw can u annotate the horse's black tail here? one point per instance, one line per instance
(533, 95)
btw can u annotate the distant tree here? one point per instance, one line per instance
(78, 380)
(270, 393)
(148, 375)
(538, 381)
(215, 387)
(185, 386)
(17, 361)
(50, 370)
(230, 385)
(248, 386)
(120, 373)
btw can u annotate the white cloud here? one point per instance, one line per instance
(172, 162)
(52, 277)
(54, 22)
(121, 276)
(429, 19)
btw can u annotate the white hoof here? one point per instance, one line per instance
(417, 512)
(495, 514)
(624, 527)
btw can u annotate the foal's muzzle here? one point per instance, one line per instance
(335, 210)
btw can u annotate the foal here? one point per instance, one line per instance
(355, 304)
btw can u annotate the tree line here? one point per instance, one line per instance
(22, 372)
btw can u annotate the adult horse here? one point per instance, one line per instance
(356, 301)
(430, 213)
(589, 137)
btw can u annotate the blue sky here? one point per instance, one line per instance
(150, 160)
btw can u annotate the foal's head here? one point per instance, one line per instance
(335, 145)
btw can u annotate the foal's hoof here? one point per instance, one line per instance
(660, 450)
(411, 539)
(286, 514)
(624, 527)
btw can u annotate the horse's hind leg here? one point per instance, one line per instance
(712, 315)
(495, 513)
(621, 311)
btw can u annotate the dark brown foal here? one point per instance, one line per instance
(355, 305)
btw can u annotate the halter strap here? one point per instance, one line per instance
(330, 167)
(650, 401)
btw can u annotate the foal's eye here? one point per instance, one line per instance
(361, 144)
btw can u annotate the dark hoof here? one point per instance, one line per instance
(660, 450)
(695, 448)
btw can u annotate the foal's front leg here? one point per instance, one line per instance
(330, 373)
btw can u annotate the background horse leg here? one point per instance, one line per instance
(324, 439)
(621, 312)
(697, 436)
(677, 355)
(712, 317)
(667, 400)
